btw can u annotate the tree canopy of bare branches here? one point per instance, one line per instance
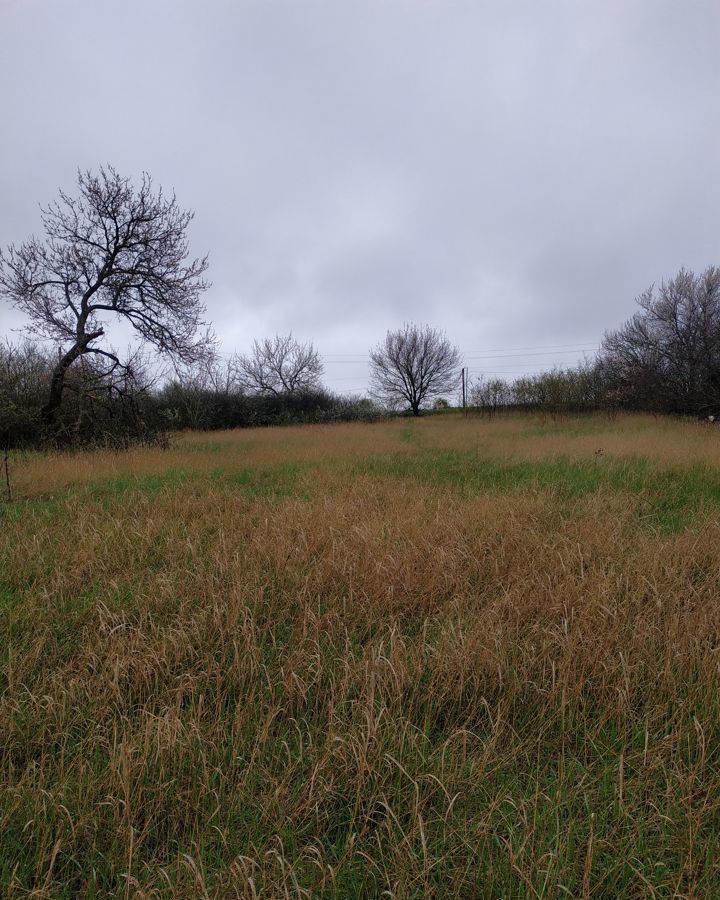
(667, 356)
(490, 394)
(112, 250)
(280, 365)
(413, 365)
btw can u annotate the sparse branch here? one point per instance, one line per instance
(280, 365)
(413, 365)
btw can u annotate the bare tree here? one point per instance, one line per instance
(667, 356)
(114, 250)
(413, 365)
(280, 365)
(201, 394)
(490, 394)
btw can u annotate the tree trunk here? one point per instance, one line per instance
(57, 386)
(57, 382)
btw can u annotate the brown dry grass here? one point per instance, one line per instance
(664, 441)
(450, 658)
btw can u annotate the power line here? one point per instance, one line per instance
(331, 359)
(357, 362)
(542, 353)
(359, 378)
(536, 347)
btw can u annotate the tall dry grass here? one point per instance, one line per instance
(661, 440)
(331, 662)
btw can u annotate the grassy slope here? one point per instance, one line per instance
(444, 658)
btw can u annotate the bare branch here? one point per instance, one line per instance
(280, 365)
(114, 250)
(413, 365)
(667, 356)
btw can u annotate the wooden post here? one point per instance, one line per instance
(6, 462)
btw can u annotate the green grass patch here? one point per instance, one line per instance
(671, 498)
(277, 481)
(145, 484)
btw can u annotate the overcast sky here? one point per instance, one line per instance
(514, 172)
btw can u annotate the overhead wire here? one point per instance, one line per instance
(488, 353)
(475, 358)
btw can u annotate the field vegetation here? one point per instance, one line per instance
(445, 657)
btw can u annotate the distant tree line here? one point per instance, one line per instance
(665, 359)
(134, 406)
(119, 251)
(576, 389)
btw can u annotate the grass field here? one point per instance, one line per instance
(444, 658)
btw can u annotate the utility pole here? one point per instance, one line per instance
(463, 390)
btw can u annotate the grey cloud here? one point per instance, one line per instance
(513, 172)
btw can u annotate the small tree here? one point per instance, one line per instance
(280, 365)
(114, 250)
(490, 394)
(413, 365)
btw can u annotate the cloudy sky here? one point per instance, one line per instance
(512, 171)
